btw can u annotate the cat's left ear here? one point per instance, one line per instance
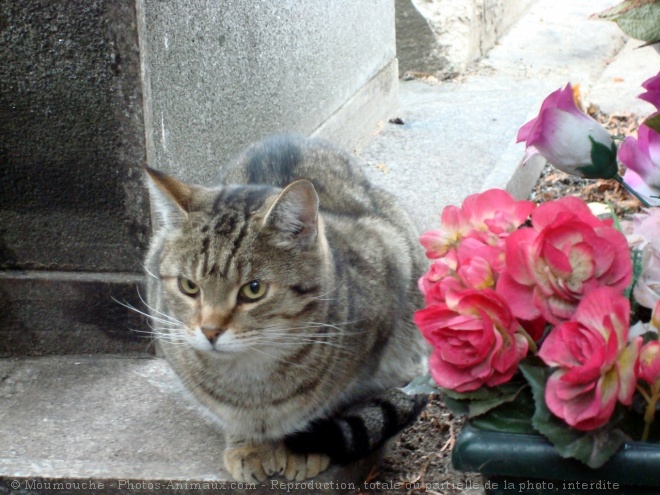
(294, 214)
(171, 199)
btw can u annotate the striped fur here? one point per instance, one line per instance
(361, 429)
(339, 260)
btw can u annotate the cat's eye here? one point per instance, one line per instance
(188, 287)
(253, 290)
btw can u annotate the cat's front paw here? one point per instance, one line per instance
(300, 467)
(256, 462)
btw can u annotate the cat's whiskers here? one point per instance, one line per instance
(320, 297)
(297, 337)
(156, 311)
(143, 334)
(281, 335)
(297, 365)
(172, 335)
(314, 324)
(169, 321)
(302, 342)
(336, 326)
(176, 336)
(149, 273)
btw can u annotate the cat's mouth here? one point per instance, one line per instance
(217, 343)
(226, 349)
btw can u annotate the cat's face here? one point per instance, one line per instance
(240, 269)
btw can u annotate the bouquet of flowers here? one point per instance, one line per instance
(545, 318)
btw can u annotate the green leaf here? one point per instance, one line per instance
(506, 393)
(510, 417)
(603, 162)
(639, 19)
(642, 23)
(593, 448)
(478, 402)
(653, 122)
(483, 393)
(458, 407)
(421, 385)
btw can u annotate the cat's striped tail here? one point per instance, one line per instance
(361, 429)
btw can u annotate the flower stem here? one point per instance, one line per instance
(532, 345)
(643, 393)
(620, 180)
(649, 413)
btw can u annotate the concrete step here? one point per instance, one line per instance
(114, 424)
(459, 136)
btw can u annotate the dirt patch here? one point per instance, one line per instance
(420, 460)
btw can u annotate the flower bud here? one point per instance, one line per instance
(569, 139)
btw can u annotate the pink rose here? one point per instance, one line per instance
(569, 139)
(439, 270)
(494, 214)
(442, 279)
(567, 253)
(476, 273)
(488, 217)
(454, 227)
(475, 339)
(597, 365)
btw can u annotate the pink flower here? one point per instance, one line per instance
(494, 214)
(597, 365)
(488, 217)
(642, 157)
(476, 273)
(647, 288)
(475, 339)
(645, 228)
(643, 234)
(655, 317)
(649, 363)
(460, 269)
(567, 253)
(652, 87)
(440, 269)
(569, 139)
(454, 227)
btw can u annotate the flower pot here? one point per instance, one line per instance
(528, 464)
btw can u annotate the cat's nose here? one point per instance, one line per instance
(212, 333)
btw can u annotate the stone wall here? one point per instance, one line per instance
(92, 90)
(443, 36)
(220, 75)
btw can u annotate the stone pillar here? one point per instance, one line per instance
(73, 214)
(222, 74)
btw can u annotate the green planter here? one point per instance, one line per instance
(528, 464)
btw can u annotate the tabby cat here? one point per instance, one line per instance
(283, 297)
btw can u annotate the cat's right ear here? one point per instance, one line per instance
(171, 199)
